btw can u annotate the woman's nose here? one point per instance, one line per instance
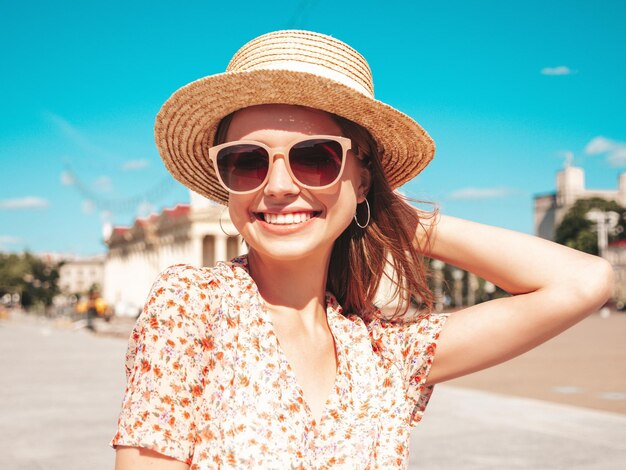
(280, 182)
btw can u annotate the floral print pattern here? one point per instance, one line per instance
(208, 383)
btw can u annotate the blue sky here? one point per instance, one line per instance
(506, 89)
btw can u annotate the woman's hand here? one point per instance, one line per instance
(552, 286)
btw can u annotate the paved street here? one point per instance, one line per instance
(62, 388)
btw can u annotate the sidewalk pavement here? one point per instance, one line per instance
(465, 429)
(62, 389)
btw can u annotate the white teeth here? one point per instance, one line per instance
(286, 219)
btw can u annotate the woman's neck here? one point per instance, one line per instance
(292, 286)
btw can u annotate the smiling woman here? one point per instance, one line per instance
(280, 358)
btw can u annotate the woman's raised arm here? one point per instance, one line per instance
(552, 286)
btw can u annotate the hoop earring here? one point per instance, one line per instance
(222, 227)
(368, 216)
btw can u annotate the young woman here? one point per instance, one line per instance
(279, 359)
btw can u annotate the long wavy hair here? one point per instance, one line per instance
(387, 247)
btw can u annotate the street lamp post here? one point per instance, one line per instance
(605, 222)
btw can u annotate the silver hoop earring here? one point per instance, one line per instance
(222, 227)
(368, 216)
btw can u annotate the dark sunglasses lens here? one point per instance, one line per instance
(243, 167)
(316, 162)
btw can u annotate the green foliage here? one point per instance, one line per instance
(579, 233)
(29, 276)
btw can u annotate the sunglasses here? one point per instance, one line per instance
(314, 162)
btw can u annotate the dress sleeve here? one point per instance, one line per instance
(166, 368)
(412, 346)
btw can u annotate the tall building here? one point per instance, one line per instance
(570, 187)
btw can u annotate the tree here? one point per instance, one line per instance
(577, 232)
(30, 277)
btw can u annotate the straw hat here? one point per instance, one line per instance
(286, 67)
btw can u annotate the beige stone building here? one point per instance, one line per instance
(78, 275)
(570, 187)
(187, 233)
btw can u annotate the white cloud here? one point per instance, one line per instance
(103, 184)
(131, 165)
(617, 157)
(615, 151)
(481, 193)
(67, 178)
(29, 202)
(9, 240)
(560, 70)
(599, 145)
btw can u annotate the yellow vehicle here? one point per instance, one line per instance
(102, 309)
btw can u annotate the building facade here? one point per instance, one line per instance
(570, 187)
(188, 233)
(79, 275)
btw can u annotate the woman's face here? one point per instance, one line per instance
(322, 214)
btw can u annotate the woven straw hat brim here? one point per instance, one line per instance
(186, 124)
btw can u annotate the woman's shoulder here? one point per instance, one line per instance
(189, 288)
(390, 333)
(204, 278)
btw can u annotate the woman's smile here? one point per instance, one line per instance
(285, 223)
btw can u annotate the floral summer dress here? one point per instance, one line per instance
(208, 383)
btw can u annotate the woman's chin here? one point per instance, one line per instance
(291, 251)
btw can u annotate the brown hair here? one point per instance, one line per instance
(388, 246)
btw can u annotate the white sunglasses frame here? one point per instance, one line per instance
(345, 142)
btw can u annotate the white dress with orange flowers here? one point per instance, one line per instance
(208, 383)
